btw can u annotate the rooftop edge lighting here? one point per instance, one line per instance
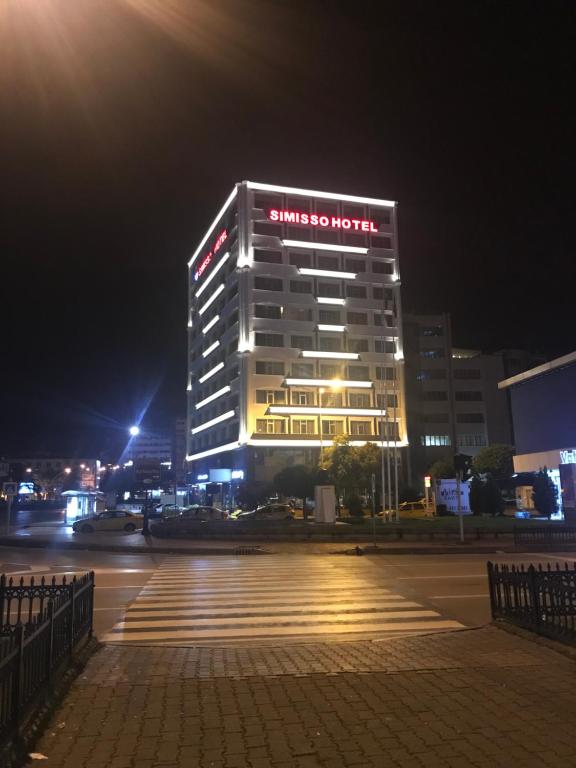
(212, 397)
(290, 382)
(327, 300)
(323, 246)
(212, 275)
(316, 193)
(319, 443)
(211, 324)
(212, 451)
(317, 410)
(212, 298)
(327, 273)
(213, 422)
(210, 373)
(331, 355)
(211, 348)
(221, 213)
(325, 327)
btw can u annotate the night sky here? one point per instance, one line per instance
(125, 123)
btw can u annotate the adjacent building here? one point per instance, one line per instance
(453, 401)
(544, 418)
(294, 331)
(49, 475)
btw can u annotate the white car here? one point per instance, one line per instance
(110, 520)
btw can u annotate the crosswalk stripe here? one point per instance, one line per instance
(135, 616)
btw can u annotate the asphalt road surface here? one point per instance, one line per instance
(189, 600)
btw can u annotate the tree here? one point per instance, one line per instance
(493, 497)
(495, 460)
(544, 493)
(443, 469)
(297, 480)
(250, 495)
(350, 468)
(477, 496)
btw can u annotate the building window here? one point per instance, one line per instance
(384, 345)
(467, 396)
(329, 316)
(389, 429)
(270, 396)
(432, 330)
(382, 268)
(434, 354)
(332, 427)
(303, 370)
(357, 318)
(385, 373)
(378, 293)
(300, 286)
(330, 343)
(359, 400)
(435, 396)
(358, 372)
(328, 262)
(300, 259)
(329, 290)
(356, 291)
(387, 401)
(297, 313)
(435, 418)
(331, 371)
(471, 441)
(270, 257)
(268, 311)
(433, 441)
(301, 342)
(429, 374)
(358, 345)
(270, 426)
(360, 428)
(301, 398)
(331, 400)
(268, 283)
(467, 373)
(270, 367)
(303, 427)
(470, 418)
(355, 265)
(269, 340)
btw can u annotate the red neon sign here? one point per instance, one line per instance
(207, 259)
(319, 220)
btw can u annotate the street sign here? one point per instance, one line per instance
(10, 489)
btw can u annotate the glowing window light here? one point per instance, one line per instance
(290, 382)
(211, 349)
(325, 327)
(211, 324)
(212, 275)
(316, 193)
(213, 451)
(327, 273)
(213, 422)
(323, 246)
(212, 299)
(320, 443)
(326, 300)
(210, 398)
(331, 355)
(211, 373)
(219, 215)
(317, 411)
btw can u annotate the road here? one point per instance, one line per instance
(191, 600)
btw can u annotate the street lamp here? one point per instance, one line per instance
(134, 430)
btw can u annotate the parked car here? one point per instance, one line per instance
(110, 520)
(188, 521)
(267, 512)
(414, 509)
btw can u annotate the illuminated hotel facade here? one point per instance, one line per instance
(294, 332)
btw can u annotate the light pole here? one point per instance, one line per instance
(320, 393)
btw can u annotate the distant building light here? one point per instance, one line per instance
(237, 474)
(202, 477)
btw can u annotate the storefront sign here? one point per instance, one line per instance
(318, 220)
(568, 456)
(446, 494)
(207, 259)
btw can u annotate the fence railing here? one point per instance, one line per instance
(536, 598)
(41, 623)
(545, 535)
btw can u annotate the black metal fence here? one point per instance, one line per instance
(540, 599)
(41, 623)
(544, 535)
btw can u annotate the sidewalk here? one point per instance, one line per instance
(471, 698)
(134, 543)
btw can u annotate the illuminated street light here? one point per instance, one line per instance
(29, 469)
(134, 430)
(67, 470)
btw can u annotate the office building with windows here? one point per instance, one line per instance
(294, 332)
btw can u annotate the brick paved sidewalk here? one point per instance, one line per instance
(472, 698)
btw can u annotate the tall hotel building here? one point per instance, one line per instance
(294, 331)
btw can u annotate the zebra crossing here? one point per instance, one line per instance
(269, 599)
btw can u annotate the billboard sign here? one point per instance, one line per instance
(446, 494)
(322, 221)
